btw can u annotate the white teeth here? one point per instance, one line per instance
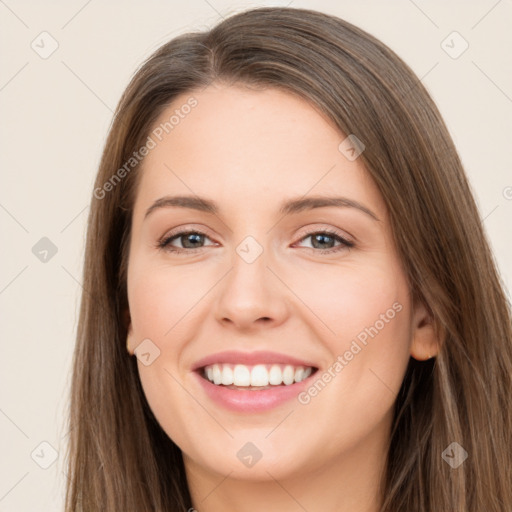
(288, 374)
(259, 375)
(217, 374)
(241, 375)
(227, 376)
(275, 376)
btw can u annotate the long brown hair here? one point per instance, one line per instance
(119, 458)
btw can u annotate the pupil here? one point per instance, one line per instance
(321, 238)
(193, 237)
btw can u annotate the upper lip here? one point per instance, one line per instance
(250, 358)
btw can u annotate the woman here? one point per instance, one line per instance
(226, 359)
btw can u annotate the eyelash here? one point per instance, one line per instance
(164, 243)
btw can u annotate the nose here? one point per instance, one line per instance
(252, 296)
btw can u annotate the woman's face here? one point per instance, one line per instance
(271, 283)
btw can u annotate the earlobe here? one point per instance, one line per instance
(129, 342)
(425, 343)
(129, 334)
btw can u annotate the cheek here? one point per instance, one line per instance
(348, 299)
(161, 308)
(366, 327)
(160, 301)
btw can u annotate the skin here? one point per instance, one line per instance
(249, 150)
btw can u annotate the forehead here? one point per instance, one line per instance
(249, 148)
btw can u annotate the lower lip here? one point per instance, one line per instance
(251, 401)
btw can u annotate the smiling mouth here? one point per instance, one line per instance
(255, 377)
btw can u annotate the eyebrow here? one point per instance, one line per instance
(291, 206)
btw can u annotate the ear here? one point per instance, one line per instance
(425, 342)
(130, 345)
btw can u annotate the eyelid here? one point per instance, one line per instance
(323, 228)
(346, 242)
(185, 228)
(305, 231)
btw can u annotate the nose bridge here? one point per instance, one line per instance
(251, 291)
(249, 278)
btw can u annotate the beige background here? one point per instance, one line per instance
(55, 113)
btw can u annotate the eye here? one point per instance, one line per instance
(190, 240)
(321, 239)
